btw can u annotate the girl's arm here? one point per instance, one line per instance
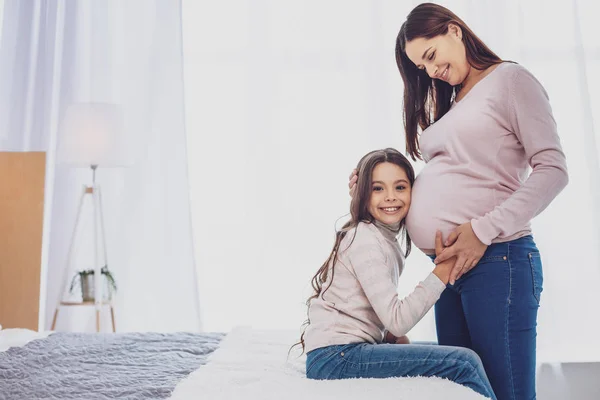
(374, 272)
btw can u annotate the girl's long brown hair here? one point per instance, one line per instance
(359, 211)
(426, 100)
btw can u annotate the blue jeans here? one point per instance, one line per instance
(365, 360)
(492, 310)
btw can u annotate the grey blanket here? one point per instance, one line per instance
(103, 366)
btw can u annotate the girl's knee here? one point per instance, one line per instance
(469, 356)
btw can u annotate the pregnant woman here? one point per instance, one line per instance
(479, 123)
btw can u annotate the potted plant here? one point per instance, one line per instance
(85, 280)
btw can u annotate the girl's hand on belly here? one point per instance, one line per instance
(443, 269)
(466, 247)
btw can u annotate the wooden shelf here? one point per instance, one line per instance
(84, 303)
(88, 303)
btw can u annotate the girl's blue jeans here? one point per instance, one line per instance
(492, 310)
(365, 360)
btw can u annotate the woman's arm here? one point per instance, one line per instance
(531, 120)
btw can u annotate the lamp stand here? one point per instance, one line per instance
(99, 233)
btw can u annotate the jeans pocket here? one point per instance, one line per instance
(318, 357)
(490, 259)
(329, 362)
(535, 262)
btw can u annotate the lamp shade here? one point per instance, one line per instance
(93, 134)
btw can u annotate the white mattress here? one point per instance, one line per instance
(254, 365)
(18, 337)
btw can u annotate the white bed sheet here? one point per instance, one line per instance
(18, 337)
(253, 365)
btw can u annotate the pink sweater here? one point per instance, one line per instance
(478, 157)
(363, 298)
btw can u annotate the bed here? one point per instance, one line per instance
(245, 363)
(98, 366)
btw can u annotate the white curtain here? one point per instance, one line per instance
(282, 98)
(56, 52)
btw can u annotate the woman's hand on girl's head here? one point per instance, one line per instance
(353, 178)
(466, 247)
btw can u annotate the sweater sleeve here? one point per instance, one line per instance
(531, 119)
(374, 273)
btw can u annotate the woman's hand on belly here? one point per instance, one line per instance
(466, 247)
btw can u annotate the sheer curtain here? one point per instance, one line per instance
(56, 52)
(282, 98)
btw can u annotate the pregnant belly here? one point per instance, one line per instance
(442, 202)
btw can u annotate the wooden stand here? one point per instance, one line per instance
(94, 192)
(87, 303)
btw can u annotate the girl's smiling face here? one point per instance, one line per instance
(390, 193)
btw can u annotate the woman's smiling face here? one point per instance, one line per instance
(443, 57)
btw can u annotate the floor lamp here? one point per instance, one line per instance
(91, 136)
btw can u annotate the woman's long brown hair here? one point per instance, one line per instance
(359, 211)
(426, 100)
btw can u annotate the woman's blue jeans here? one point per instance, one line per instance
(365, 360)
(492, 310)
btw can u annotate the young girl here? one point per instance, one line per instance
(479, 124)
(355, 317)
